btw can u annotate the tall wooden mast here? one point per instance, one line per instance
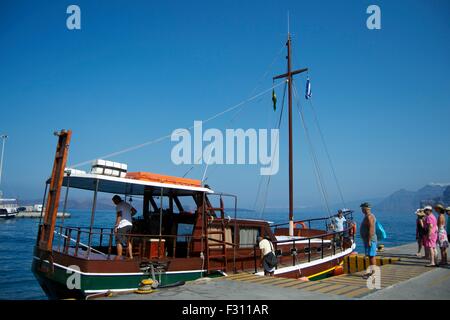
(56, 180)
(288, 77)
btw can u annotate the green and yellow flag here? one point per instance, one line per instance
(274, 100)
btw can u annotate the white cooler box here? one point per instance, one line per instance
(109, 168)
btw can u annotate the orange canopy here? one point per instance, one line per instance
(148, 176)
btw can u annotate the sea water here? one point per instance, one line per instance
(18, 236)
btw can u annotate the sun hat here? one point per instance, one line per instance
(428, 208)
(365, 205)
(439, 207)
(447, 209)
(420, 212)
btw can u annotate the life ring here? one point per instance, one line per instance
(300, 223)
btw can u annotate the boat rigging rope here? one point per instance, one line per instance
(276, 146)
(313, 155)
(328, 154)
(258, 84)
(132, 148)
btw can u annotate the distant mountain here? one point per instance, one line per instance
(75, 204)
(408, 201)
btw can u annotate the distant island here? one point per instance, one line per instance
(400, 201)
(408, 201)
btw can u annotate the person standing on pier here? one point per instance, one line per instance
(442, 239)
(420, 230)
(369, 237)
(430, 225)
(268, 257)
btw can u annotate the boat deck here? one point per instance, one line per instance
(407, 278)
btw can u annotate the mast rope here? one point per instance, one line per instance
(319, 179)
(150, 142)
(327, 153)
(266, 191)
(258, 84)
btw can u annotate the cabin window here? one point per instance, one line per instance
(184, 229)
(247, 237)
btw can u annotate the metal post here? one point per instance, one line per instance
(254, 256)
(321, 249)
(235, 230)
(309, 249)
(94, 204)
(293, 252)
(3, 137)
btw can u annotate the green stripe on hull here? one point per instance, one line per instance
(113, 282)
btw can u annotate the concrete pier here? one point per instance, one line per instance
(406, 278)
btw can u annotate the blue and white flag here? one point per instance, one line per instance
(308, 89)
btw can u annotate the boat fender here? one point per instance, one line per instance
(304, 279)
(352, 230)
(338, 271)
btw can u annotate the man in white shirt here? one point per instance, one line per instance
(123, 226)
(338, 226)
(267, 256)
(339, 221)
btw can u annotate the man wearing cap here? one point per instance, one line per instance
(430, 225)
(369, 236)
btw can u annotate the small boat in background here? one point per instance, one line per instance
(8, 207)
(4, 214)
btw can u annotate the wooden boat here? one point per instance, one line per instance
(75, 262)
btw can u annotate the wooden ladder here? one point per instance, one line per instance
(215, 244)
(56, 180)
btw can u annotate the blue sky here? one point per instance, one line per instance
(137, 70)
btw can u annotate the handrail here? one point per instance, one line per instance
(346, 214)
(307, 249)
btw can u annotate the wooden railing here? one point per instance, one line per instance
(72, 240)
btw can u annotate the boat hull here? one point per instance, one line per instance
(61, 282)
(67, 282)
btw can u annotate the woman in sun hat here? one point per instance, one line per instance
(442, 240)
(420, 230)
(430, 225)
